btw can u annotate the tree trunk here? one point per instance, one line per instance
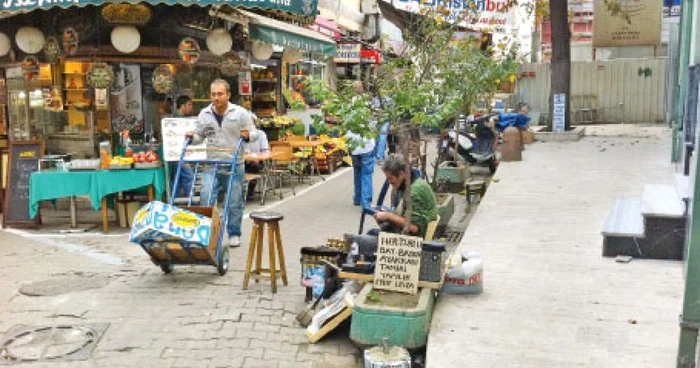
(561, 57)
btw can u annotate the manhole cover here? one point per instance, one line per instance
(50, 343)
(63, 284)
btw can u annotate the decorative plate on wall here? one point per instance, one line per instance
(189, 50)
(230, 64)
(30, 68)
(70, 41)
(100, 75)
(52, 49)
(162, 79)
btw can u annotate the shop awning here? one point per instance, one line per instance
(302, 8)
(287, 35)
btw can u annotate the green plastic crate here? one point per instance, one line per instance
(406, 327)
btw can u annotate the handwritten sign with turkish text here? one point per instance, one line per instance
(398, 263)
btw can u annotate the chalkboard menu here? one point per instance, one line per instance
(23, 161)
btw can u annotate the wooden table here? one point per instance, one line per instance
(312, 157)
(266, 158)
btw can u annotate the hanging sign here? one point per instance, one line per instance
(100, 75)
(189, 50)
(135, 14)
(230, 64)
(52, 49)
(162, 79)
(348, 53)
(70, 41)
(30, 68)
(398, 262)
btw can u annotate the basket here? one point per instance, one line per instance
(119, 166)
(147, 165)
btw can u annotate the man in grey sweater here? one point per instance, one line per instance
(222, 124)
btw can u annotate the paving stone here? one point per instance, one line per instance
(246, 353)
(259, 326)
(232, 343)
(258, 363)
(248, 334)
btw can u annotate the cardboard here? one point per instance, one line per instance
(398, 262)
(161, 222)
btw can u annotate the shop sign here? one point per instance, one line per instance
(291, 40)
(348, 53)
(189, 50)
(398, 262)
(303, 8)
(643, 27)
(326, 27)
(136, 14)
(371, 57)
(477, 14)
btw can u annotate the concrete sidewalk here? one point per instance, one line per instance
(550, 299)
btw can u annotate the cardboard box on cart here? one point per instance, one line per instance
(167, 224)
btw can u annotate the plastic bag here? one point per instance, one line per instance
(467, 277)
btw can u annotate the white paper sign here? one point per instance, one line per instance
(559, 113)
(398, 262)
(174, 130)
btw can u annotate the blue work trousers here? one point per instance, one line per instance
(212, 182)
(382, 141)
(186, 181)
(363, 167)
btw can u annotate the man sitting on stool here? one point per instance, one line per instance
(259, 146)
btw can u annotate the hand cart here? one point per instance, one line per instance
(168, 253)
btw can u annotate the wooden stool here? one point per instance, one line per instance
(272, 220)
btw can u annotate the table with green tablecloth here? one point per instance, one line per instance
(96, 184)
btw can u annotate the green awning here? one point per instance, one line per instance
(303, 8)
(288, 35)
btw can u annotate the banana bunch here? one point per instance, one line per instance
(119, 160)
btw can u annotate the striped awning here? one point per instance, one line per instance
(299, 8)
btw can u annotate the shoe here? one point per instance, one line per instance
(234, 241)
(356, 204)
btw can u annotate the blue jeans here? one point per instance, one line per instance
(363, 167)
(381, 141)
(220, 181)
(184, 185)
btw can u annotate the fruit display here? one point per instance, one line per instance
(119, 160)
(278, 122)
(150, 156)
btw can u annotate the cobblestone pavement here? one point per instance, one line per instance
(192, 317)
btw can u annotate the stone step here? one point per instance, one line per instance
(625, 219)
(662, 200)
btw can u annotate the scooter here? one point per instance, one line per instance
(476, 147)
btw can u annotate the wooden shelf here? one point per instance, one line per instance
(75, 89)
(267, 80)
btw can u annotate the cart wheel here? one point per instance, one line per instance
(222, 266)
(167, 267)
